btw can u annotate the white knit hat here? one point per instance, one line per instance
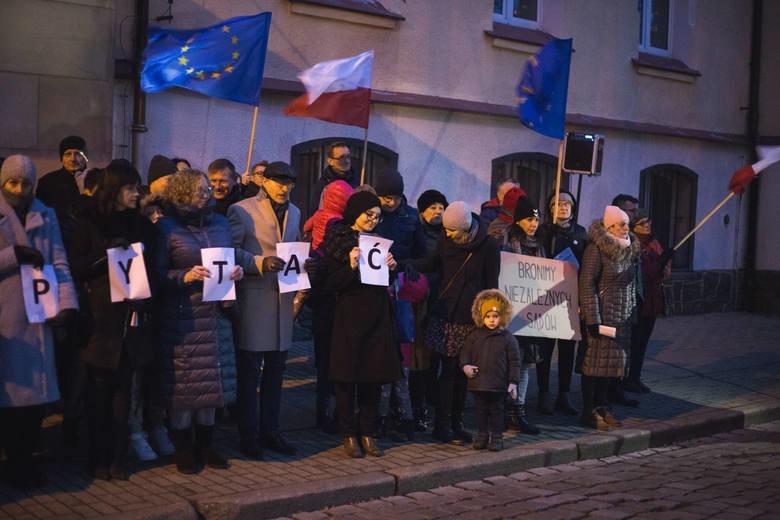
(17, 166)
(614, 215)
(457, 216)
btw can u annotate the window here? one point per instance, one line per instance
(309, 159)
(668, 191)
(535, 172)
(517, 12)
(654, 26)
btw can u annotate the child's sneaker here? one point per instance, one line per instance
(162, 442)
(141, 447)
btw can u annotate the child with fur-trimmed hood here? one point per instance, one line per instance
(491, 359)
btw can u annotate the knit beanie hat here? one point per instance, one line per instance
(509, 204)
(563, 195)
(17, 166)
(457, 216)
(429, 198)
(358, 203)
(614, 215)
(159, 167)
(73, 142)
(389, 182)
(490, 304)
(525, 209)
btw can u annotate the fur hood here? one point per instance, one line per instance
(505, 309)
(597, 234)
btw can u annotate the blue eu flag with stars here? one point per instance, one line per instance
(225, 60)
(543, 88)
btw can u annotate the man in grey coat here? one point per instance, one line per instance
(265, 316)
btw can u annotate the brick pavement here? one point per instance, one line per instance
(709, 373)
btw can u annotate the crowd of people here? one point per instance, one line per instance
(152, 376)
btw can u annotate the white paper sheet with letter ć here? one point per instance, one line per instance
(373, 260)
(41, 292)
(127, 273)
(293, 277)
(220, 261)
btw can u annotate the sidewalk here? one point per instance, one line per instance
(709, 373)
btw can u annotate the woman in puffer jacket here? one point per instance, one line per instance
(607, 294)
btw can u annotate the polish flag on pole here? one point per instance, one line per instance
(338, 91)
(768, 155)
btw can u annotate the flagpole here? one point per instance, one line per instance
(365, 158)
(558, 182)
(251, 140)
(705, 219)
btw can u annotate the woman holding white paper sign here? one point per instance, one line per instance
(190, 327)
(120, 340)
(364, 350)
(29, 235)
(607, 289)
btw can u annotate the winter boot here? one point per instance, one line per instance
(204, 452)
(563, 404)
(352, 447)
(370, 446)
(184, 456)
(496, 442)
(592, 419)
(459, 431)
(609, 418)
(518, 419)
(481, 441)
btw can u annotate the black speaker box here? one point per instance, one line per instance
(582, 153)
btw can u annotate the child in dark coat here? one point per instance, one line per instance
(491, 359)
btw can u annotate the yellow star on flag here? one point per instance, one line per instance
(236, 55)
(183, 60)
(234, 40)
(185, 48)
(229, 68)
(200, 74)
(215, 75)
(190, 71)
(225, 28)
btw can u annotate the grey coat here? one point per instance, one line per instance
(607, 291)
(265, 316)
(27, 369)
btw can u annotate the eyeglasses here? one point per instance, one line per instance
(373, 216)
(345, 157)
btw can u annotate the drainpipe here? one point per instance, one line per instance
(139, 96)
(749, 280)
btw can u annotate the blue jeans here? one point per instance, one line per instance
(259, 391)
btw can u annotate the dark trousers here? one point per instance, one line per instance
(259, 397)
(19, 434)
(640, 336)
(322, 329)
(594, 392)
(366, 395)
(565, 364)
(71, 375)
(490, 411)
(108, 408)
(452, 391)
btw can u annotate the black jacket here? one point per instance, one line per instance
(59, 191)
(497, 355)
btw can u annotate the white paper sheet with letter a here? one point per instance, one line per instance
(293, 277)
(41, 292)
(220, 262)
(373, 260)
(127, 273)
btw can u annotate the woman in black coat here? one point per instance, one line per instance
(119, 341)
(364, 350)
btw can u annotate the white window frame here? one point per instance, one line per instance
(646, 17)
(507, 17)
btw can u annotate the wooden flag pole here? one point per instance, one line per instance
(251, 140)
(705, 219)
(365, 158)
(558, 183)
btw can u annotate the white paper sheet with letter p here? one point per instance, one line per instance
(220, 262)
(293, 277)
(41, 292)
(373, 260)
(127, 273)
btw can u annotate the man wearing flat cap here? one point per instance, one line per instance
(265, 316)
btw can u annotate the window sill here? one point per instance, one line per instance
(518, 39)
(369, 12)
(662, 67)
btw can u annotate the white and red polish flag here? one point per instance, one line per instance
(338, 91)
(767, 155)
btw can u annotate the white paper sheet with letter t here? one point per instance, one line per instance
(220, 262)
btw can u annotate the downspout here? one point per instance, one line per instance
(751, 239)
(139, 96)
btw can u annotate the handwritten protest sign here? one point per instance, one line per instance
(373, 260)
(543, 293)
(41, 292)
(127, 273)
(220, 262)
(293, 277)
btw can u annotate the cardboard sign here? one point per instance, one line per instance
(220, 262)
(373, 260)
(127, 273)
(41, 292)
(544, 296)
(293, 277)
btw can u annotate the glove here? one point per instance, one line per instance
(63, 318)
(667, 255)
(593, 330)
(512, 390)
(410, 273)
(314, 267)
(26, 255)
(272, 264)
(119, 242)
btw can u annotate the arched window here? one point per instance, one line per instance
(309, 159)
(668, 191)
(535, 172)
